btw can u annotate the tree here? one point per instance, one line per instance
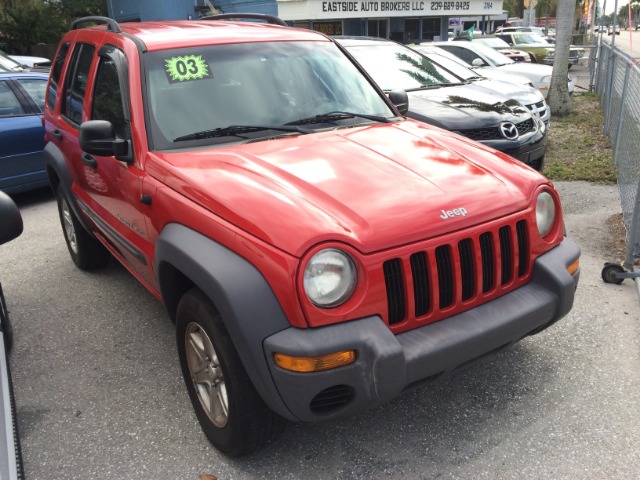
(24, 23)
(559, 99)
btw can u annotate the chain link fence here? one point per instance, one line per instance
(616, 78)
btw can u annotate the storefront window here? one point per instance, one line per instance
(430, 28)
(377, 28)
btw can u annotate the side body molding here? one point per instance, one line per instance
(241, 294)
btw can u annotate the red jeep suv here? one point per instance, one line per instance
(318, 252)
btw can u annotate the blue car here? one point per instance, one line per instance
(21, 131)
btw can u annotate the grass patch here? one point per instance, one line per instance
(577, 148)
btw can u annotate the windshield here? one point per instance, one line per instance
(395, 67)
(262, 84)
(493, 42)
(453, 66)
(494, 57)
(527, 39)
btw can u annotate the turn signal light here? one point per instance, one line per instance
(315, 364)
(573, 268)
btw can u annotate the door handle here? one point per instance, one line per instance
(57, 134)
(89, 160)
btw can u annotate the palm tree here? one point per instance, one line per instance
(559, 99)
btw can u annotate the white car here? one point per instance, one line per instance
(513, 86)
(31, 62)
(480, 58)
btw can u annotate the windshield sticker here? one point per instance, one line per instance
(189, 67)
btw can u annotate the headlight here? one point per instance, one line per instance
(546, 79)
(545, 213)
(329, 278)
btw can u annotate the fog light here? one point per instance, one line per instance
(315, 364)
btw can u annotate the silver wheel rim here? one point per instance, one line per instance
(69, 229)
(206, 375)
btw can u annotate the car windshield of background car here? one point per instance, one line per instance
(494, 57)
(395, 67)
(493, 42)
(262, 83)
(454, 67)
(527, 39)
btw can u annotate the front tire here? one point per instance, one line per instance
(86, 251)
(231, 413)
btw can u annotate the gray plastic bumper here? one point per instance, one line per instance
(387, 364)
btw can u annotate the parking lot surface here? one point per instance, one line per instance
(100, 395)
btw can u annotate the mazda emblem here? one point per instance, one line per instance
(509, 131)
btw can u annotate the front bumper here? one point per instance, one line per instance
(387, 364)
(530, 151)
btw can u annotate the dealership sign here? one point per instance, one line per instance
(321, 9)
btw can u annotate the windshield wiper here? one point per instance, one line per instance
(333, 116)
(237, 131)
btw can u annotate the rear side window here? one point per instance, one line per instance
(76, 83)
(56, 69)
(9, 104)
(35, 88)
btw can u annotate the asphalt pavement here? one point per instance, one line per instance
(100, 395)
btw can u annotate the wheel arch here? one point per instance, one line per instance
(59, 175)
(249, 309)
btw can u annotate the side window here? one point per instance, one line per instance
(9, 104)
(107, 98)
(76, 83)
(55, 75)
(36, 89)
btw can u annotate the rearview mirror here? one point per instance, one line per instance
(10, 219)
(477, 63)
(97, 137)
(401, 100)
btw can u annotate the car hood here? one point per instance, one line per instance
(522, 93)
(495, 74)
(464, 107)
(373, 187)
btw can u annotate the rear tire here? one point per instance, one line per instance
(230, 411)
(86, 251)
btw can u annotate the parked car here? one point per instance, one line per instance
(499, 45)
(11, 467)
(9, 64)
(318, 252)
(510, 85)
(539, 31)
(438, 97)
(481, 58)
(32, 62)
(21, 132)
(611, 29)
(541, 50)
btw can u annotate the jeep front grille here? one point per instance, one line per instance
(432, 282)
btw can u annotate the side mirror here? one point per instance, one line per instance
(401, 100)
(10, 219)
(98, 138)
(477, 62)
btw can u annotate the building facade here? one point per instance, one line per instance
(403, 21)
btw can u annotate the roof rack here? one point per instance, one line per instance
(110, 22)
(250, 16)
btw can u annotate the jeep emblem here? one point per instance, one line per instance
(509, 131)
(456, 212)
